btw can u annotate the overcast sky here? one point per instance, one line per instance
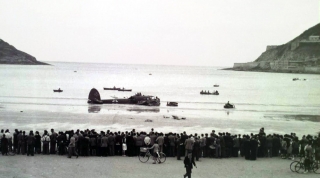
(169, 32)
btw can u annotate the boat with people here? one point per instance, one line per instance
(123, 89)
(229, 106)
(208, 92)
(172, 104)
(215, 85)
(138, 99)
(114, 88)
(59, 90)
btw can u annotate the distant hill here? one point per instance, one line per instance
(10, 55)
(300, 55)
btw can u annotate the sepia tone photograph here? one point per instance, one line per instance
(159, 88)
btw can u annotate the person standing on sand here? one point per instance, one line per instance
(31, 141)
(160, 141)
(188, 145)
(53, 141)
(111, 140)
(71, 148)
(269, 146)
(15, 140)
(188, 164)
(124, 145)
(9, 138)
(45, 140)
(4, 145)
(172, 144)
(118, 144)
(104, 145)
(37, 143)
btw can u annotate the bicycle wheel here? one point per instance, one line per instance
(292, 166)
(161, 158)
(316, 168)
(299, 167)
(144, 157)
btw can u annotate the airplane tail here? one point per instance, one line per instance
(94, 96)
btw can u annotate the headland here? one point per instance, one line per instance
(300, 55)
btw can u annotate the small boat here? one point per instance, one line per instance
(114, 88)
(59, 90)
(294, 79)
(208, 93)
(229, 106)
(215, 85)
(124, 89)
(172, 104)
(150, 74)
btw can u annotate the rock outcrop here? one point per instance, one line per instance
(10, 55)
(301, 55)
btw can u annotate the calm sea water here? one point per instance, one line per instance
(256, 95)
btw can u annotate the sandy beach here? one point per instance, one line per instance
(52, 166)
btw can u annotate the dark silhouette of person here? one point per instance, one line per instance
(4, 145)
(188, 164)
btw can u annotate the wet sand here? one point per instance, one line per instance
(54, 166)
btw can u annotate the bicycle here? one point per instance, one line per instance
(294, 163)
(10, 152)
(314, 166)
(145, 155)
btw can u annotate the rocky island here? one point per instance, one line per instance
(300, 55)
(10, 55)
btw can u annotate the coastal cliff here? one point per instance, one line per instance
(300, 55)
(10, 55)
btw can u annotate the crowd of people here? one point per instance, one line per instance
(209, 145)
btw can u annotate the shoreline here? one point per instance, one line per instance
(63, 121)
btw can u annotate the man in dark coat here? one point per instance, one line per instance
(228, 145)
(188, 164)
(130, 144)
(118, 144)
(31, 141)
(246, 148)
(253, 148)
(4, 145)
(196, 148)
(172, 144)
(276, 145)
(53, 142)
(111, 140)
(15, 140)
(37, 143)
(61, 143)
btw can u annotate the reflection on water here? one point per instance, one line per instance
(139, 110)
(94, 108)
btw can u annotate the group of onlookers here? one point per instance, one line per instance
(209, 145)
